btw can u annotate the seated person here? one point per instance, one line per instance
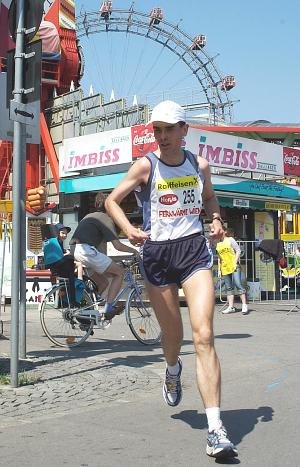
(61, 264)
(62, 235)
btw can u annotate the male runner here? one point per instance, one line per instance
(172, 186)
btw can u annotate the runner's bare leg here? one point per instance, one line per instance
(165, 303)
(199, 292)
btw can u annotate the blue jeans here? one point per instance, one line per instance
(234, 280)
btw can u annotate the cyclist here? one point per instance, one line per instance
(91, 235)
(172, 184)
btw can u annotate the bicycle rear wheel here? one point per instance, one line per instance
(141, 319)
(59, 322)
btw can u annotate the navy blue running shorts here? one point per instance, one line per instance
(174, 261)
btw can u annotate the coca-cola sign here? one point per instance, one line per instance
(143, 140)
(147, 138)
(291, 161)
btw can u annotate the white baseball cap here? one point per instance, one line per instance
(168, 112)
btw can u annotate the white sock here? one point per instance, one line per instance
(213, 418)
(173, 370)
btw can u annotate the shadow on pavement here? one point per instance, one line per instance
(238, 422)
(147, 355)
(233, 336)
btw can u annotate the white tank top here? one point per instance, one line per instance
(172, 199)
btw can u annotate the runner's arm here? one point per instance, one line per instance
(137, 175)
(122, 247)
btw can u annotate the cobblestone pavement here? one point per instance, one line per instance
(66, 380)
(65, 385)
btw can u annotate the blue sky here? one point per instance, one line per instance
(257, 42)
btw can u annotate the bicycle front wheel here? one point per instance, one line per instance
(141, 319)
(59, 322)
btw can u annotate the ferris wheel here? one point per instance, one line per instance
(190, 53)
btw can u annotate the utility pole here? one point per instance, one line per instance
(24, 19)
(18, 154)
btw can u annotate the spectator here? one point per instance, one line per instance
(60, 263)
(63, 232)
(229, 269)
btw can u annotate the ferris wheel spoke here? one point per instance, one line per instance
(124, 63)
(137, 66)
(150, 70)
(98, 66)
(111, 59)
(163, 76)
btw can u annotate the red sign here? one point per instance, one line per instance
(291, 161)
(143, 140)
(168, 199)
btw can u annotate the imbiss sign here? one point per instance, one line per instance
(234, 152)
(96, 150)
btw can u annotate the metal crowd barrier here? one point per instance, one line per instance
(264, 279)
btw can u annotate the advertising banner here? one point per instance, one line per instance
(291, 161)
(234, 152)
(96, 150)
(143, 140)
(256, 187)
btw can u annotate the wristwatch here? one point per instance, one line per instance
(218, 218)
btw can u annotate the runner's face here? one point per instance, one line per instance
(168, 136)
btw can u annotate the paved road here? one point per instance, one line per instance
(101, 405)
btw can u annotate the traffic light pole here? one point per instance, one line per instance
(19, 153)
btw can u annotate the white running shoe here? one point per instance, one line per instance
(245, 310)
(229, 309)
(219, 445)
(172, 390)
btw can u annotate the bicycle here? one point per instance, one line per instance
(70, 327)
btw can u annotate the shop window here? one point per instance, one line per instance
(289, 224)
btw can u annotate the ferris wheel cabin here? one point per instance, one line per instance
(199, 42)
(106, 9)
(156, 16)
(228, 83)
